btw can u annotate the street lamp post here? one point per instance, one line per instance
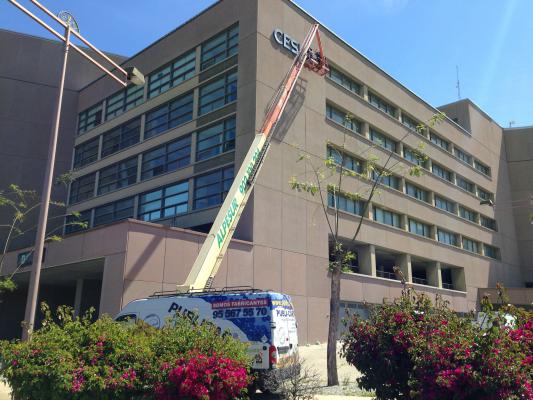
(119, 74)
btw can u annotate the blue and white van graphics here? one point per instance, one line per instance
(265, 320)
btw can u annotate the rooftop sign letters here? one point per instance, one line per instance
(286, 41)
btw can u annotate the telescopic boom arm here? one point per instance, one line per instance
(214, 248)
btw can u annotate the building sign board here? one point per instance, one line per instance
(286, 41)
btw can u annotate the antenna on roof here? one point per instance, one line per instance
(458, 84)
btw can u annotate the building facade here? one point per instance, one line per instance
(153, 164)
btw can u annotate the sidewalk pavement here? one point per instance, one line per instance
(4, 392)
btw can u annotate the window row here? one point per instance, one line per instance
(387, 179)
(207, 190)
(344, 202)
(214, 50)
(159, 120)
(211, 141)
(356, 87)
(341, 117)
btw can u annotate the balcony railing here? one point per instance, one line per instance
(447, 285)
(420, 281)
(386, 274)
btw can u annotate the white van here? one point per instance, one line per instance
(265, 320)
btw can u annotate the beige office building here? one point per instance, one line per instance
(153, 165)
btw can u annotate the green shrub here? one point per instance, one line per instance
(77, 359)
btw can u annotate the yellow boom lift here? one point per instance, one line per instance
(214, 248)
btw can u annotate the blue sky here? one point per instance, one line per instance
(418, 42)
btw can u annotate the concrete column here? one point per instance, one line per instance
(78, 297)
(399, 149)
(100, 144)
(399, 114)
(143, 122)
(433, 232)
(428, 164)
(433, 274)
(454, 178)
(369, 212)
(367, 260)
(194, 139)
(452, 148)
(404, 220)
(139, 167)
(365, 130)
(365, 92)
(401, 187)
(460, 241)
(458, 279)
(431, 198)
(404, 262)
(96, 182)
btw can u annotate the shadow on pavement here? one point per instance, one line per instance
(261, 396)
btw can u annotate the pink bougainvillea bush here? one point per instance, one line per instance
(415, 349)
(203, 377)
(75, 358)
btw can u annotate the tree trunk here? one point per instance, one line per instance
(334, 304)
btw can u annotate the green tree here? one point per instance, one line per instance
(20, 204)
(329, 176)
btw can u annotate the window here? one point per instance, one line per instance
(74, 224)
(463, 156)
(465, 184)
(115, 211)
(123, 101)
(172, 75)
(387, 217)
(218, 93)
(117, 176)
(467, 214)
(347, 161)
(211, 189)
(121, 137)
(470, 245)
(168, 116)
(220, 47)
(416, 192)
(343, 80)
(414, 156)
(378, 102)
(382, 140)
(441, 172)
(387, 180)
(86, 153)
(410, 123)
(487, 222)
(446, 237)
(166, 158)
(439, 141)
(484, 169)
(341, 118)
(82, 188)
(345, 203)
(447, 278)
(164, 203)
(419, 228)
(491, 251)
(89, 118)
(483, 194)
(443, 204)
(216, 139)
